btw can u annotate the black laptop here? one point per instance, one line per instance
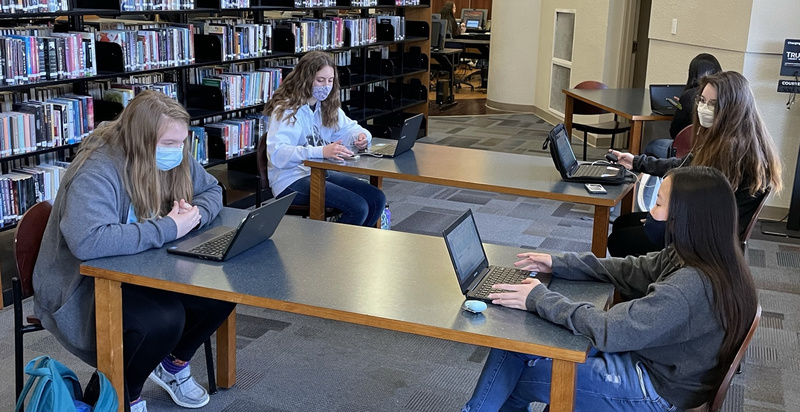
(659, 95)
(405, 140)
(571, 170)
(475, 276)
(222, 243)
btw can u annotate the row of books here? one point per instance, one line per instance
(398, 23)
(33, 6)
(34, 125)
(24, 187)
(238, 39)
(146, 5)
(314, 3)
(152, 48)
(29, 55)
(242, 89)
(124, 93)
(324, 34)
(235, 137)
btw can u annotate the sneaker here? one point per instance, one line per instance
(140, 406)
(182, 387)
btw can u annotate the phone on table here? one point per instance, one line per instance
(595, 188)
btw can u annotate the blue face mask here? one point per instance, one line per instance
(168, 157)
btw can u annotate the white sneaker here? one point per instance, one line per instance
(181, 387)
(140, 406)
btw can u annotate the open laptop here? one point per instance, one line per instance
(405, 140)
(475, 276)
(222, 243)
(659, 93)
(571, 170)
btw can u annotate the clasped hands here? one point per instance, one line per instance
(338, 151)
(186, 216)
(515, 295)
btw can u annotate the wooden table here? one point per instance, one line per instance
(632, 104)
(382, 288)
(514, 174)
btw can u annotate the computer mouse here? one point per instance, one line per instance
(474, 306)
(611, 157)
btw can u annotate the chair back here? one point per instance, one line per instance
(682, 144)
(719, 398)
(579, 107)
(745, 236)
(27, 241)
(261, 161)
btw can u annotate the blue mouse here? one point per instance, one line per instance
(474, 306)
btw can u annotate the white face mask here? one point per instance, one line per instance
(705, 114)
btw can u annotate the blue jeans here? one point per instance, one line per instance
(360, 203)
(510, 381)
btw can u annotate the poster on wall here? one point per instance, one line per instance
(790, 60)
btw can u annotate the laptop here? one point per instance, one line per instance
(405, 140)
(659, 93)
(475, 276)
(571, 170)
(222, 243)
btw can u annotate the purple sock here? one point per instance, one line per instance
(170, 367)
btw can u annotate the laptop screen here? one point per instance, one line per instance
(565, 153)
(660, 92)
(464, 245)
(473, 24)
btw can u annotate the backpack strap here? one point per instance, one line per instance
(56, 386)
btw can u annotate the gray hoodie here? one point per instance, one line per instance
(666, 319)
(88, 221)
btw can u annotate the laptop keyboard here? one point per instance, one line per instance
(386, 150)
(592, 171)
(216, 246)
(496, 275)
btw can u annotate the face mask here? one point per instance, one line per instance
(705, 115)
(655, 230)
(321, 92)
(168, 157)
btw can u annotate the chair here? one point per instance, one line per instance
(745, 236)
(682, 144)
(579, 107)
(722, 391)
(27, 240)
(263, 177)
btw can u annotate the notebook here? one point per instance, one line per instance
(474, 274)
(659, 93)
(571, 170)
(222, 243)
(405, 140)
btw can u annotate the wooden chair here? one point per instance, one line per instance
(682, 144)
(580, 107)
(266, 192)
(27, 241)
(715, 404)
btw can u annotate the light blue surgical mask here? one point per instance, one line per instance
(168, 158)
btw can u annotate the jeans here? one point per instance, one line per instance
(606, 382)
(361, 203)
(660, 148)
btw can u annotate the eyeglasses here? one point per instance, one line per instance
(701, 99)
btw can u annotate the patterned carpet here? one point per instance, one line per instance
(291, 362)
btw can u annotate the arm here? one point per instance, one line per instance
(658, 167)
(207, 193)
(285, 146)
(349, 130)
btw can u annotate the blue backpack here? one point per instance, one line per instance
(56, 389)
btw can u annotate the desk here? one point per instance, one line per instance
(515, 174)
(464, 42)
(372, 289)
(632, 104)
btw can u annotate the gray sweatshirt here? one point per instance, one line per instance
(88, 221)
(666, 319)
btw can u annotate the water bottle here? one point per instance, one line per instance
(386, 218)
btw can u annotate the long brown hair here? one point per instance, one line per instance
(737, 143)
(702, 228)
(296, 88)
(136, 131)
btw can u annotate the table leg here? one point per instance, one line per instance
(562, 386)
(108, 315)
(636, 137)
(226, 352)
(317, 194)
(568, 107)
(600, 230)
(377, 181)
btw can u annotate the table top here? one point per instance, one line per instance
(462, 40)
(445, 51)
(632, 104)
(523, 175)
(388, 279)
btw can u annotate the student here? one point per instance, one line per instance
(729, 136)
(448, 13)
(132, 187)
(307, 122)
(667, 346)
(702, 65)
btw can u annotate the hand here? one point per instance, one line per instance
(535, 262)
(361, 141)
(336, 151)
(623, 159)
(185, 220)
(184, 206)
(516, 294)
